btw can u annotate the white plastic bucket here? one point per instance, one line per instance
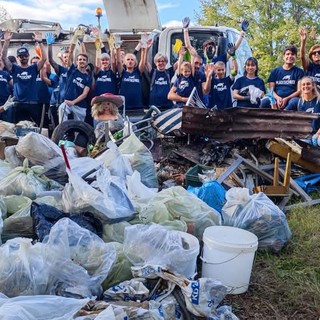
(188, 266)
(228, 255)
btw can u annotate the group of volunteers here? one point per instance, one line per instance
(30, 90)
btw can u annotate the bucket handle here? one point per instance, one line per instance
(205, 261)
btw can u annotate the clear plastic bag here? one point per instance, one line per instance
(259, 215)
(117, 163)
(26, 181)
(154, 244)
(5, 168)
(40, 150)
(185, 206)
(141, 160)
(40, 307)
(79, 196)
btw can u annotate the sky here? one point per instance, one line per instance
(70, 13)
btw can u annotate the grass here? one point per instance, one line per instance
(286, 285)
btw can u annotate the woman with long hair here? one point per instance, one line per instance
(250, 88)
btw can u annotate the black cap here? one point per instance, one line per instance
(22, 51)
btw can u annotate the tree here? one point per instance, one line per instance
(273, 24)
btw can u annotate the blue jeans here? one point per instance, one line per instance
(291, 105)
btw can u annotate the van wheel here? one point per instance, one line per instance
(79, 132)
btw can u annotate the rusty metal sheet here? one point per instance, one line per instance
(247, 123)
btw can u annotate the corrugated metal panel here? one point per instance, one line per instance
(246, 123)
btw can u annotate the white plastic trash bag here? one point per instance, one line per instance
(26, 181)
(258, 214)
(141, 160)
(154, 244)
(40, 150)
(40, 307)
(79, 196)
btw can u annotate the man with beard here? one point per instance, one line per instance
(24, 80)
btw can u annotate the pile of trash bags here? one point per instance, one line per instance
(99, 240)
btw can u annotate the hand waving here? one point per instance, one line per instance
(50, 38)
(245, 25)
(37, 36)
(231, 49)
(185, 22)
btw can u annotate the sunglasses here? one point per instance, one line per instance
(315, 52)
(21, 56)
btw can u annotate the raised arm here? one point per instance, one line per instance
(7, 38)
(186, 38)
(209, 70)
(50, 40)
(37, 36)
(117, 45)
(244, 29)
(303, 39)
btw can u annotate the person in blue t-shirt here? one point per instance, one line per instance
(78, 85)
(218, 86)
(6, 85)
(160, 83)
(309, 101)
(24, 80)
(249, 89)
(283, 82)
(104, 75)
(311, 65)
(185, 81)
(130, 77)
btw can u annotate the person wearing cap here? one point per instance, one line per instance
(78, 84)
(283, 82)
(24, 79)
(310, 64)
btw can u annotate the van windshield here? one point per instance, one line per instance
(197, 38)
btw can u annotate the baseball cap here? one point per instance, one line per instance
(208, 42)
(22, 51)
(108, 97)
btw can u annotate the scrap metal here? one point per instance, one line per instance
(247, 123)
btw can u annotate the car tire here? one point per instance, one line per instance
(79, 132)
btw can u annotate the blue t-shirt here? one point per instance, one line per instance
(159, 88)
(199, 78)
(184, 87)
(312, 106)
(131, 89)
(62, 74)
(42, 91)
(286, 81)
(105, 82)
(242, 85)
(24, 83)
(76, 83)
(314, 72)
(4, 86)
(220, 93)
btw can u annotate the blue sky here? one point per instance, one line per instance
(70, 13)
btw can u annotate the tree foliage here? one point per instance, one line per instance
(273, 24)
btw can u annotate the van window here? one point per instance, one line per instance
(197, 38)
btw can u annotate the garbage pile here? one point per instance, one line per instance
(97, 238)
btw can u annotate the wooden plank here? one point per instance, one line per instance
(297, 188)
(302, 204)
(230, 170)
(282, 151)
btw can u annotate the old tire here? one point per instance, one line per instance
(79, 132)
